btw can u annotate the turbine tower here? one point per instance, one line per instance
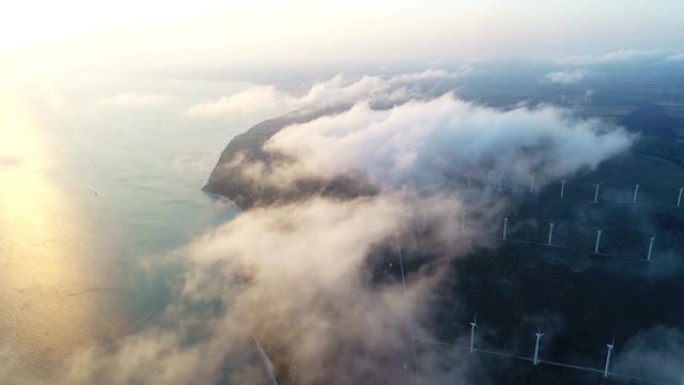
(539, 335)
(610, 346)
(636, 191)
(679, 198)
(505, 227)
(598, 241)
(401, 264)
(650, 248)
(410, 324)
(550, 233)
(596, 191)
(562, 188)
(473, 326)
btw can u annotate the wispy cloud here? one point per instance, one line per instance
(297, 278)
(653, 353)
(423, 138)
(431, 74)
(316, 280)
(571, 76)
(616, 57)
(136, 99)
(340, 90)
(675, 57)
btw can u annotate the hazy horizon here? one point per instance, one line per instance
(131, 35)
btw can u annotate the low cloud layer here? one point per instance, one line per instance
(654, 353)
(624, 56)
(427, 141)
(566, 77)
(317, 281)
(675, 57)
(340, 90)
(298, 279)
(136, 99)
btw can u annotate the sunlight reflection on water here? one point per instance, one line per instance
(51, 285)
(86, 199)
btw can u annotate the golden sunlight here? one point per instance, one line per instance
(45, 308)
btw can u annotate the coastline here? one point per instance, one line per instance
(219, 196)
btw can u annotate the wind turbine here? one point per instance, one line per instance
(650, 248)
(413, 340)
(596, 191)
(598, 241)
(636, 191)
(266, 362)
(610, 346)
(473, 326)
(539, 335)
(401, 263)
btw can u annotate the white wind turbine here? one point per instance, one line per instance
(539, 335)
(596, 191)
(473, 326)
(610, 346)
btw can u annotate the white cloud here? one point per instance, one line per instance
(675, 57)
(255, 100)
(310, 278)
(340, 90)
(566, 77)
(423, 138)
(297, 277)
(615, 57)
(136, 99)
(431, 74)
(653, 353)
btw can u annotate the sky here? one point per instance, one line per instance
(138, 33)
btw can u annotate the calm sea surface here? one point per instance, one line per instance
(99, 179)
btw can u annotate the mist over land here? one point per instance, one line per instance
(352, 179)
(335, 196)
(436, 180)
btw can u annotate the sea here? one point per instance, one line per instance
(100, 179)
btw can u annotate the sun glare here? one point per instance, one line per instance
(42, 301)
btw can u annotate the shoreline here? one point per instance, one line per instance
(218, 196)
